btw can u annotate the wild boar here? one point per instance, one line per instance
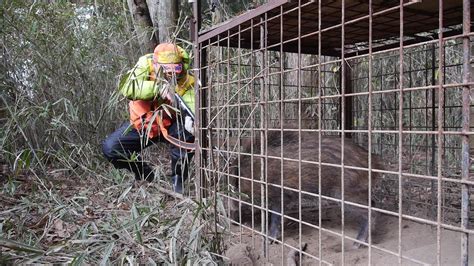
(356, 181)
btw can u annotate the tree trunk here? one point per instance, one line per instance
(168, 16)
(143, 24)
(153, 7)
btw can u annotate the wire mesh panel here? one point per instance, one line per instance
(339, 132)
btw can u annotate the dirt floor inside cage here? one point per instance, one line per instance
(418, 245)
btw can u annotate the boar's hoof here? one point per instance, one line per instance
(356, 245)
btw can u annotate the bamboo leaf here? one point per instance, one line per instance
(174, 252)
(135, 217)
(124, 194)
(19, 246)
(107, 253)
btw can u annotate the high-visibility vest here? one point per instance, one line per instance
(142, 112)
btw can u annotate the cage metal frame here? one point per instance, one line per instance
(257, 23)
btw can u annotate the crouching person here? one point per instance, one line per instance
(157, 80)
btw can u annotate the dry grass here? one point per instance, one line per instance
(60, 201)
(65, 220)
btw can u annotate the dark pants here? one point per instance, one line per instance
(122, 148)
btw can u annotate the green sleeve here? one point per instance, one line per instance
(188, 99)
(135, 85)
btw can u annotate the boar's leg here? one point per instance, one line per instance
(363, 234)
(275, 222)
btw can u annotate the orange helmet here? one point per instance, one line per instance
(171, 57)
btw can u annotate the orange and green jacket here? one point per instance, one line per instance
(142, 89)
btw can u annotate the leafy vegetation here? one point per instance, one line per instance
(60, 201)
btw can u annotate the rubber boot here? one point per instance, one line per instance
(143, 172)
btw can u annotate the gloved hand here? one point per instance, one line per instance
(189, 124)
(166, 92)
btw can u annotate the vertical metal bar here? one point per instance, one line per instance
(228, 124)
(282, 58)
(298, 80)
(263, 160)
(252, 125)
(380, 144)
(427, 166)
(265, 117)
(369, 132)
(203, 118)
(320, 249)
(197, 92)
(433, 127)
(209, 132)
(400, 137)
(343, 119)
(440, 129)
(348, 88)
(466, 102)
(348, 113)
(217, 93)
(239, 85)
(410, 107)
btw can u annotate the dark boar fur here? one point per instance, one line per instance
(356, 182)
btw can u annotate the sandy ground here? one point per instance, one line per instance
(418, 242)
